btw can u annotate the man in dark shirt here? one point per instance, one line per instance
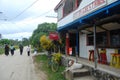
(21, 49)
(6, 50)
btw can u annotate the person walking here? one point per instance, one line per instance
(12, 48)
(28, 50)
(21, 49)
(6, 49)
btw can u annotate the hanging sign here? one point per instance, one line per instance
(53, 36)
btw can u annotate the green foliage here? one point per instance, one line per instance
(42, 29)
(9, 41)
(39, 58)
(45, 42)
(51, 75)
(25, 41)
(57, 56)
(16, 47)
(1, 50)
(4, 41)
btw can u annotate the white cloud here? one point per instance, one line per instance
(28, 21)
(18, 36)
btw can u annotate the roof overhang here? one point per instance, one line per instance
(104, 15)
(58, 5)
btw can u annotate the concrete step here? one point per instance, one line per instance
(71, 74)
(80, 72)
(84, 78)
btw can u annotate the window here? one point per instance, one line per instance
(115, 38)
(70, 5)
(90, 39)
(102, 39)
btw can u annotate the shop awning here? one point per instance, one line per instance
(107, 11)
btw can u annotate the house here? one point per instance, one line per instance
(90, 25)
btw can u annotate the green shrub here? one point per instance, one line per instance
(51, 75)
(57, 56)
(1, 50)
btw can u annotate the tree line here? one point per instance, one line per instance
(34, 40)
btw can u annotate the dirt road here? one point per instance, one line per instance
(17, 67)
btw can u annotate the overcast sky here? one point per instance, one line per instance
(18, 18)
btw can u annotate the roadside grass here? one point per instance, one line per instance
(1, 51)
(51, 75)
(16, 47)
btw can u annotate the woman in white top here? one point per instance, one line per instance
(12, 49)
(28, 50)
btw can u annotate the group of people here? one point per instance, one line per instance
(11, 48)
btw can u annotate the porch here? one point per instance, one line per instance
(100, 67)
(100, 29)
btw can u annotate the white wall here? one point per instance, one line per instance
(72, 16)
(77, 14)
(84, 49)
(60, 12)
(65, 20)
(111, 1)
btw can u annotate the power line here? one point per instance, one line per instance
(25, 10)
(44, 13)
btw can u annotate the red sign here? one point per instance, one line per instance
(90, 7)
(53, 36)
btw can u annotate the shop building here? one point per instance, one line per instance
(90, 25)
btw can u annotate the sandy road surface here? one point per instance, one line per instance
(17, 67)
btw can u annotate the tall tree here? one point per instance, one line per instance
(4, 41)
(25, 41)
(42, 29)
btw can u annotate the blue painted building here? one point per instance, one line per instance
(90, 25)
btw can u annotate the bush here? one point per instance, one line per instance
(57, 56)
(51, 75)
(45, 42)
(1, 50)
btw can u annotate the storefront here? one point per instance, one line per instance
(94, 25)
